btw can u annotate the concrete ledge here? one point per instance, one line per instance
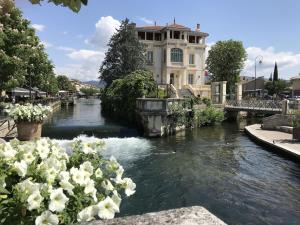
(275, 139)
(195, 215)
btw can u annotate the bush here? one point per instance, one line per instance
(119, 99)
(40, 183)
(208, 116)
(178, 114)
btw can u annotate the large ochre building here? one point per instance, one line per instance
(175, 54)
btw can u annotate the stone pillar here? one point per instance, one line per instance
(223, 92)
(285, 107)
(238, 92)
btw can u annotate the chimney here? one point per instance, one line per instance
(198, 27)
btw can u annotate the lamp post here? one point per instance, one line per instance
(260, 58)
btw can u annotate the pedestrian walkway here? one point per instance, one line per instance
(275, 139)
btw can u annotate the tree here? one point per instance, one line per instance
(89, 91)
(271, 77)
(64, 83)
(275, 76)
(119, 99)
(22, 56)
(125, 54)
(225, 61)
(74, 5)
(276, 87)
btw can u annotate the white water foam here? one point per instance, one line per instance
(123, 149)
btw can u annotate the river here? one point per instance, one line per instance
(218, 167)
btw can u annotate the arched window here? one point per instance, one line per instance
(176, 55)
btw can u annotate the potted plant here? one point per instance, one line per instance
(29, 119)
(296, 127)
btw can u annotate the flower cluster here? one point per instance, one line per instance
(41, 183)
(29, 112)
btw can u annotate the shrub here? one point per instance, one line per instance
(208, 116)
(178, 114)
(40, 182)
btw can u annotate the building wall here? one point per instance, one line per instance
(296, 87)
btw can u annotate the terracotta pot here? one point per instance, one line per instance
(296, 133)
(28, 131)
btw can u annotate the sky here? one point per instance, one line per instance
(77, 42)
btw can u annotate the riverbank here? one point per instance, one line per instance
(275, 139)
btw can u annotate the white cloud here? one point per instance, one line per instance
(288, 62)
(38, 27)
(145, 20)
(105, 28)
(63, 48)
(85, 66)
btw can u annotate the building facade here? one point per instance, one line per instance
(175, 54)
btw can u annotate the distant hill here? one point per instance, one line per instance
(94, 83)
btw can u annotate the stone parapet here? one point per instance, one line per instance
(195, 215)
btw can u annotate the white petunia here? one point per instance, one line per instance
(129, 186)
(98, 173)
(116, 198)
(7, 152)
(87, 168)
(106, 184)
(119, 174)
(107, 208)
(47, 218)
(78, 176)
(88, 148)
(87, 214)
(43, 148)
(28, 157)
(90, 189)
(34, 200)
(66, 185)
(57, 200)
(20, 168)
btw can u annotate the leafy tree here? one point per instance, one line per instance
(64, 83)
(119, 99)
(89, 91)
(276, 87)
(225, 61)
(125, 54)
(74, 5)
(275, 76)
(49, 83)
(22, 56)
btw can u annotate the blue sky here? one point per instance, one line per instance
(76, 43)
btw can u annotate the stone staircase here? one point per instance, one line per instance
(185, 93)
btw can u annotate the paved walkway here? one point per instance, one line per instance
(276, 139)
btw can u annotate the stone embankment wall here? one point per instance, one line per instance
(276, 121)
(195, 215)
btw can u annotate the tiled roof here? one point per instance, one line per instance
(173, 25)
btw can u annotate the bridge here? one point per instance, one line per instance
(254, 105)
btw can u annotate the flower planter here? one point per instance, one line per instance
(28, 131)
(296, 133)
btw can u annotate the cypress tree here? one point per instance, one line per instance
(275, 75)
(271, 77)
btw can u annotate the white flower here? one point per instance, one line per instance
(78, 176)
(7, 152)
(64, 176)
(58, 200)
(47, 218)
(90, 189)
(107, 208)
(28, 187)
(87, 148)
(50, 174)
(106, 184)
(66, 185)
(87, 168)
(87, 214)
(98, 173)
(28, 157)
(119, 174)
(20, 168)
(116, 198)
(42, 148)
(129, 186)
(34, 200)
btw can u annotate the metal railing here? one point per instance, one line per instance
(257, 104)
